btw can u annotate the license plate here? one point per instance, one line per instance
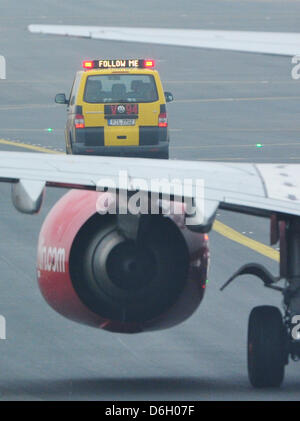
(121, 122)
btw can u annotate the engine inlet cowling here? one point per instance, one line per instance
(130, 281)
(90, 272)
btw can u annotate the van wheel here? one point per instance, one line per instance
(163, 154)
(266, 347)
(69, 151)
(69, 148)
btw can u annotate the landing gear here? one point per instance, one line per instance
(273, 338)
(267, 350)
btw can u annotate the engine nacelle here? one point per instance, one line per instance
(90, 273)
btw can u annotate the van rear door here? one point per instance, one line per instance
(124, 107)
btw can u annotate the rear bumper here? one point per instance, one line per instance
(149, 151)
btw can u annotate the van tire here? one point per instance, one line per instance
(69, 148)
(163, 154)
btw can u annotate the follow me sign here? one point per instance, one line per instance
(2, 67)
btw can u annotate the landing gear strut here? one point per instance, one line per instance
(272, 338)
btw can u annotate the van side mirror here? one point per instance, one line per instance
(61, 99)
(169, 97)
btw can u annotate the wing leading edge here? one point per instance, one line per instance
(280, 43)
(258, 189)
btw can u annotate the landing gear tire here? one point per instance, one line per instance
(266, 347)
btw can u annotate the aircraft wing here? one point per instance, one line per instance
(258, 189)
(280, 43)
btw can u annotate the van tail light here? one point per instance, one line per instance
(162, 120)
(79, 121)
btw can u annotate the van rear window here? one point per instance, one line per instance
(120, 88)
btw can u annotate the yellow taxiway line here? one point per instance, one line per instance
(235, 236)
(28, 146)
(218, 226)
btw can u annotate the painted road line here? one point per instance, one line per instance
(243, 82)
(251, 145)
(218, 226)
(235, 129)
(9, 129)
(187, 129)
(235, 236)
(267, 98)
(26, 107)
(28, 146)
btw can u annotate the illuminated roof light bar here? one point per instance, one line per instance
(88, 64)
(118, 64)
(149, 63)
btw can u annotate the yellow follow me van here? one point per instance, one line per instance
(117, 107)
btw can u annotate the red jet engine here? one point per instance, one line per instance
(89, 272)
